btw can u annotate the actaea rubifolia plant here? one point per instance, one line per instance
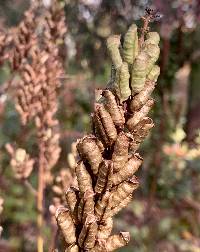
(109, 156)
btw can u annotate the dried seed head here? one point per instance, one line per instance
(139, 115)
(101, 205)
(88, 208)
(89, 150)
(72, 248)
(99, 130)
(107, 123)
(128, 170)
(105, 229)
(140, 99)
(83, 177)
(113, 43)
(130, 46)
(91, 235)
(117, 241)
(72, 202)
(88, 233)
(118, 208)
(140, 132)
(120, 153)
(122, 191)
(66, 224)
(21, 163)
(102, 179)
(113, 109)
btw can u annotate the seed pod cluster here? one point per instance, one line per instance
(109, 157)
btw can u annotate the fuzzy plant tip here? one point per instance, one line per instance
(109, 157)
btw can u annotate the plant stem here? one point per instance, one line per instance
(40, 197)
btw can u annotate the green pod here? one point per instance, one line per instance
(152, 38)
(153, 52)
(123, 82)
(154, 73)
(113, 43)
(139, 71)
(130, 46)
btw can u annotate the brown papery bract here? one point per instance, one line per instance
(122, 191)
(141, 98)
(139, 115)
(127, 171)
(89, 150)
(113, 108)
(103, 178)
(83, 177)
(107, 123)
(66, 224)
(120, 153)
(117, 241)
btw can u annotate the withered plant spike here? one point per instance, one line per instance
(122, 191)
(141, 98)
(88, 232)
(88, 208)
(109, 156)
(113, 108)
(91, 236)
(80, 209)
(101, 205)
(99, 129)
(117, 241)
(120, 153)
(107, 123)
(140, 132)
(88, 149)
(115, 210)
(66, 225)
(83, 177)
(72, 202)
(127, 171)
(72, 248)
(139, 115)
(102, 179)
(105, 229)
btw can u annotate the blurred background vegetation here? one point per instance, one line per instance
(165, 214)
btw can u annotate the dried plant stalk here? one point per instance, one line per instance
(106, 180)
(35, 56)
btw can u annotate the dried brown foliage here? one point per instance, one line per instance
(109, 157)
(20, 162)
(37, 66)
